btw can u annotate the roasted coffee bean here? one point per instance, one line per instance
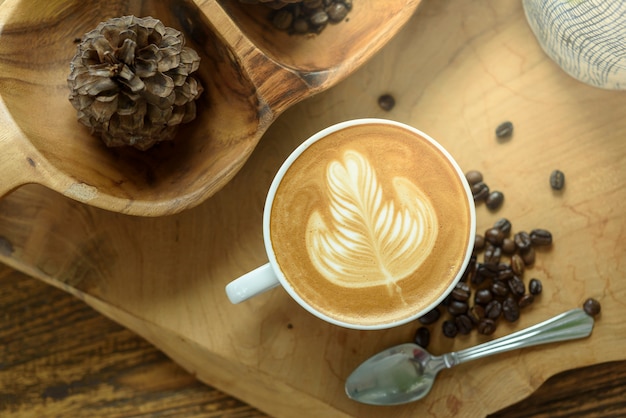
(494, 200)
(517, 264)
(487, 326)
(470, 270)
(430, 317)
(504, 225)
(386, 102)
(313, 4)
(463, 324)
(473, 177)
(592, 307)
(522, 240)
(510, 310)
(534, 286)
(505, 273)
(526, 300)
(476, 313)
(461, 292)
(337, 12)
(487, 270)
(282, 19)
(449, 328)
(422, 337)
(528, 256)
(301, 25)
(480, 191)
(516, 285)
(499, 288)
(504, 130)
(456, 307)
(483, 296)
(479, 243)
(492, 254)
(557, 180)
(495, 236)
(493, 310)
(540, 237)
(319, 18)
(508, 246)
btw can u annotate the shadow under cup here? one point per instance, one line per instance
(369, 224)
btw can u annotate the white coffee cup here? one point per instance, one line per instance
(352, 199)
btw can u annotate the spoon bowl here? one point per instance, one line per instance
(406, 373)
(250, 71)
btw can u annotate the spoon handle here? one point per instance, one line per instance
(569, 325)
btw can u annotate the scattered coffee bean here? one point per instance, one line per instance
(422, 337)
(522, 240)
(449, 328)
(505, 273)
(508, 246)
(493, 310)
(557, 180)
(526, 300)
(492, 254)
(494, 200)
(386, 102)
(504, 225)
(461, 292)
(430, 317)
(483, 296)
(592, 307)
(464, 324)
(487, 326)
(499, 288)
(510, 310)
(479, 243)
(541, 237)
(504, 130)
(534, 286)
(528, 256)
(473, 177)
(516, 285)
(476, 313)
(494, 236)
(456, 307)
(517, 264)
(480, 191)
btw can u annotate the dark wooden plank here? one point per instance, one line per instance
(59, 357)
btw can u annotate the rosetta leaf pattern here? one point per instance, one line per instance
(367, 240)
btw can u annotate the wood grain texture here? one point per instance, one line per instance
(457, 70)
(250, 73)
(61, 358)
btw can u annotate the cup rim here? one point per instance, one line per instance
(293, 156)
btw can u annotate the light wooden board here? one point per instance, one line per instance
(457, 70)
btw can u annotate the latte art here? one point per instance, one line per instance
(367, 240)
(370, 224)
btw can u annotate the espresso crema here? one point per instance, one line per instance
(370, 224)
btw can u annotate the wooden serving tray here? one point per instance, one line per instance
(457, 70)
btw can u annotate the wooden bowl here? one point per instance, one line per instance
(250, 71)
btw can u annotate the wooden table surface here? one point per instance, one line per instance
(456, 70)
(60, 358)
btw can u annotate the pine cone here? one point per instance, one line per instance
(131, 81)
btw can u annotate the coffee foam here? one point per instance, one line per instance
(370, 225)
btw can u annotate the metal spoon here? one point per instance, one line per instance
(405, 373)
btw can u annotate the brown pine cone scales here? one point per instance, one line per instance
(131, 81)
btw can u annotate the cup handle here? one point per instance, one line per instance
(251, 284)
